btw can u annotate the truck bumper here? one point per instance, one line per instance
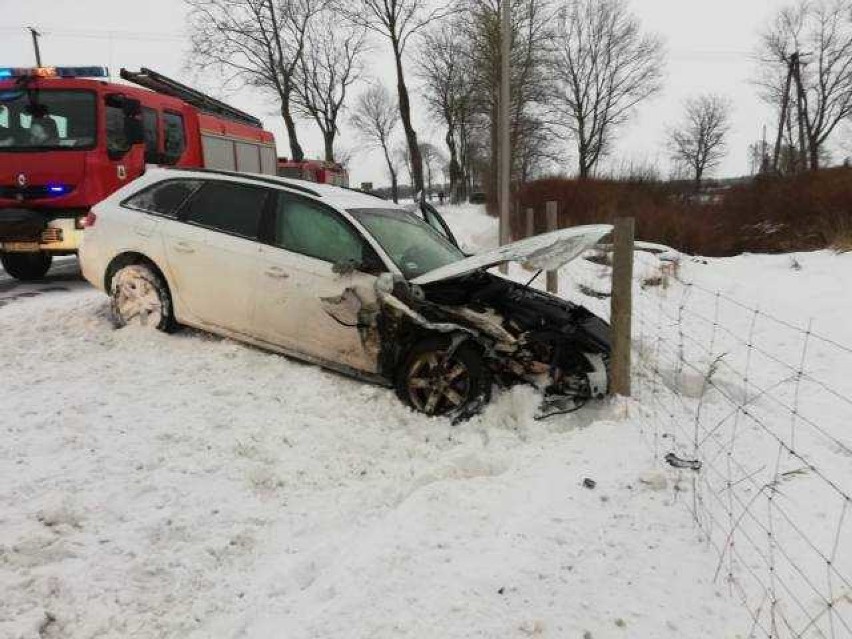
(25, 231)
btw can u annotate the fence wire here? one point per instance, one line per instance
(765, 407)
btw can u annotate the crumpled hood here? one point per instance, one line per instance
(548, 252)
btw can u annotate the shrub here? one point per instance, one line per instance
(767, 214)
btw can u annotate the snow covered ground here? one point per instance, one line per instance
(187, 486)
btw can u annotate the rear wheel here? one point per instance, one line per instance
(435, 381)
(141, 297)
(26, 267)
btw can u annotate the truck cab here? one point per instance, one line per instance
(69, 138)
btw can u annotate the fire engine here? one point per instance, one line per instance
(69, 138)
(314, 171)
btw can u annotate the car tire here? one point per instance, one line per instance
(421, 380)
(140, 296)
(27, 267)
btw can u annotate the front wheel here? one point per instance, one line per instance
(27, 267)
(437, 380)
(141, 297)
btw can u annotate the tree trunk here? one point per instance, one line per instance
(394, 185)
(405, 116)
(328, 140)
(454, 164)
(296, 152)
(814, 153)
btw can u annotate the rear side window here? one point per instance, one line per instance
(164, 198)
(227, 206)
(174, 142)
(311, 229)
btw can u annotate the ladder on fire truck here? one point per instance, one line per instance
(163, 84)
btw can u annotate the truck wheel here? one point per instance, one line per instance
(26, 267)
(434, 382)
(140, 297)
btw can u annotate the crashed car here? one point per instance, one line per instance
(347, 281)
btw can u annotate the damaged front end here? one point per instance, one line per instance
(524, 336)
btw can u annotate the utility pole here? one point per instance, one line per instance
(504, 124)
(36, 35)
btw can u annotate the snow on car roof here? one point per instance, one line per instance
(334, 195)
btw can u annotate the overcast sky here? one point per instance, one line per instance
(710, 45)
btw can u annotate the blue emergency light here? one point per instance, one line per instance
(53, 72)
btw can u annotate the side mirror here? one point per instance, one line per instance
(344, 267)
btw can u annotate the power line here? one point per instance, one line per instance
(104, 34)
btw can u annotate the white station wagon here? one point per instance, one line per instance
(348, 281)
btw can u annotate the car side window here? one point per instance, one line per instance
(164, 198)
(304, 227)
(227, 206)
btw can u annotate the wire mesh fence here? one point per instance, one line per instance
(756, 413)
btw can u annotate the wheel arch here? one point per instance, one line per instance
(126, 258)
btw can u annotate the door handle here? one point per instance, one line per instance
(183, 247)
(277, 273)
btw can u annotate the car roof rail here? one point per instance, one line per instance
(362, 192)
(257, 178)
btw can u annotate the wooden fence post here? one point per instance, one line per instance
(530, 222)
(621, 304)
(552, 224)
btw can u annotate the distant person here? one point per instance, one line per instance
(441, 197)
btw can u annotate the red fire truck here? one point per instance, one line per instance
(314, 171)
(69, 138)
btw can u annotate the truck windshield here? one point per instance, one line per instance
(47, 119)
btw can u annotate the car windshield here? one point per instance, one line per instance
(46, 119)
(414, 246)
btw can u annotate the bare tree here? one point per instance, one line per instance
(259, 42)
(403, 159)
(699, 142)
(447, 91)
(375, 117)
(604, 66)
(398, 20)
(531, 35)
(811, 43)
(330, 65)
(432, 160)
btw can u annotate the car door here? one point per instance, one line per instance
(213, 253)
(316, 288)
(434, 219)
